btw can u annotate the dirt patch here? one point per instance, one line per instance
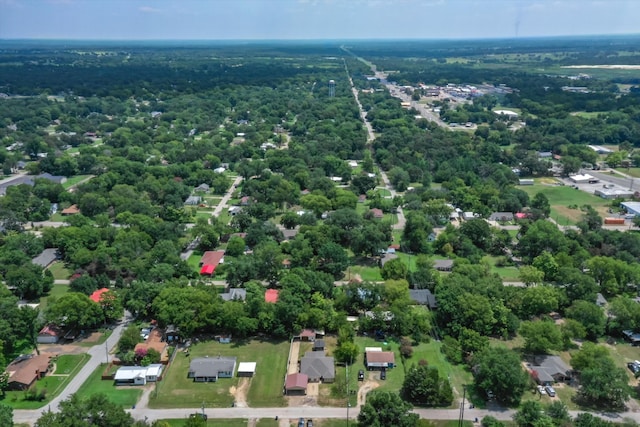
(366, 387)
(93, 337)
(240, 392)
(59, 349)
(293, 358)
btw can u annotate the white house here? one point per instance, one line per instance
(138, 375)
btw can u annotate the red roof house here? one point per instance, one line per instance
(271, 296)
(377, 213)
(97, 295)
(210, 260)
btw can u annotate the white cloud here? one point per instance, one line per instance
(149, 9)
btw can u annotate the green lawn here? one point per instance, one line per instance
(562, 197)
(383, 191)
(265, 390)
(368, 274)
(510, 273)
(56, 291)
(67, 365)
(126, 396)
(59, 271)
(194, 260)
(267, 422)
(395, 376)
(74, 180)
(634, 172)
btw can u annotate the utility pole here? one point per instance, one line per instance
(464, 395)
(106, 352)
(348, 403)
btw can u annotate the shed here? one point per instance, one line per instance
(307, 335)
(600, 300)
(318, 345)
(379, 360)
(526, 181)
(193, 200)
(246, 369)
(50, 334)
(296, 384)
(501, 216)
(71, 210)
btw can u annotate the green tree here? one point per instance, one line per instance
(540, 206)
(394, 269)
(590, 316)
(332, 259)
(530, 275)
(129, 338)
(423, 386)
(540, 336)
(346, 350)
(559, 413)
(587, 356)
(74, 310)
(385, 408)
(94, 411)
(604, 384)
(531, 414)
(6, 415)
(498, 371)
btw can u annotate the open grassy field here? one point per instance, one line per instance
(67, 366)
(634, 172)
(126, 396)
(265, 389)
(562, 197)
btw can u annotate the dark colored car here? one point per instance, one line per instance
(360, 375)
(309, 423)
(383, 375)
(301, 422)
(633, 367)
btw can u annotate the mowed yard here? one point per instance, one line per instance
(265, 388)
(562, 197)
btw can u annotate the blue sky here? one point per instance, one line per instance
(313, 19)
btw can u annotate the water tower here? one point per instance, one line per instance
(332, 88)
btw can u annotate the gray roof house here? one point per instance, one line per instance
(501, 216)
(46, 257)
(234, 294)
(547, 370)
(318, 367)
(424, 297)
(193, 200)
(443, 264)
(209, 369)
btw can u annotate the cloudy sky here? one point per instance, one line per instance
(313, 19)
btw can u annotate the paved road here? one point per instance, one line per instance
(225, 199)
(98, 355)
(370, 138)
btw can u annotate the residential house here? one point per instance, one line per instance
(131, 375)
(296, 384)
(379, 360)
(245, 201)
(501, 216)
(271, 296)
(49, 334)
(193, 200)
(546, 370)
(377, 213)
(423, 297)
(209, 369)
(318, 345)
(96, 296)
(306, 335)
(26, 369)
(56, 179)
(443, 264)
(210, 260)
(46, 257)
(202, 187)
(238, 294)
(318, 367)
(154, 341)
(601, 301)
(71, 210)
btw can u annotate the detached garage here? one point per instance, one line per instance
(246, 369)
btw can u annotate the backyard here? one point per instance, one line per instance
(126, 396)
(265, 388)
(566, 201)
